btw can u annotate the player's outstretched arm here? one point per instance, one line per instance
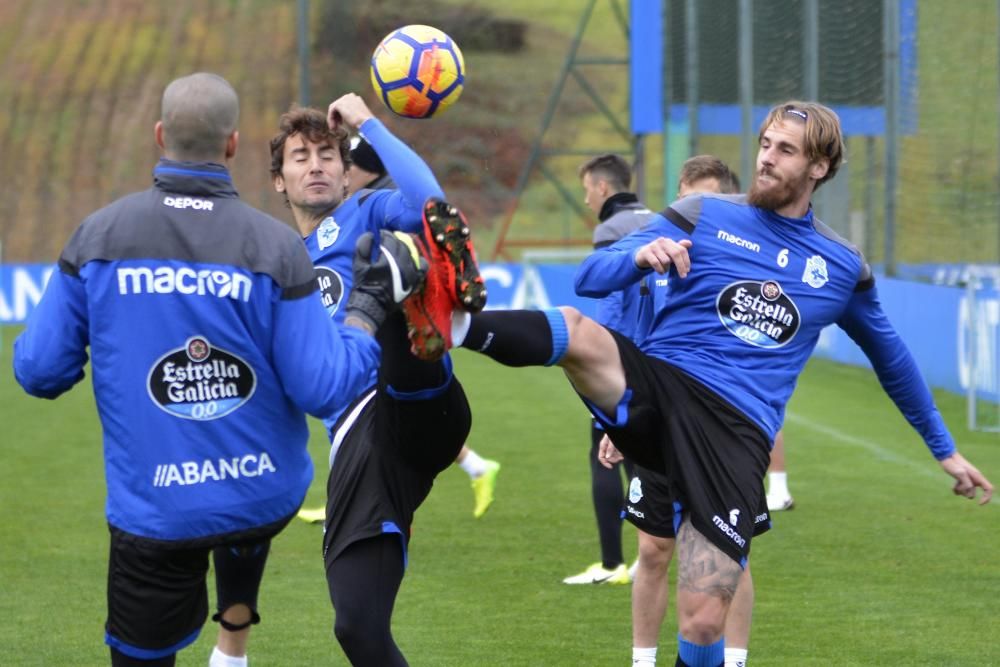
(967, 478)
(613, 267)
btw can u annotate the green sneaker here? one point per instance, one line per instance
(482, 488)
(316, 515)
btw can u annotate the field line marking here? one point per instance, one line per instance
(876, 449)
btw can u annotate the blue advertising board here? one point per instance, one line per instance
(944, 326)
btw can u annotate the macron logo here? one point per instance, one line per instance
(736, 240)
(167, 280)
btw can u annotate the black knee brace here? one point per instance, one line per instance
(236, 627)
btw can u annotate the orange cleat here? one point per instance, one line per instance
(452, 286)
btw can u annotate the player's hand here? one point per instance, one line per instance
(348, 110)
(384, 276)
(967, 478)
(660, 253)
(607, 453)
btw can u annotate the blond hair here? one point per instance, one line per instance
(823, 136)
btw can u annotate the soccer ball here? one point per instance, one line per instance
(418, 71)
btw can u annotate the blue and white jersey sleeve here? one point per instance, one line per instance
(613, 267)
(867, 325)
(322, 365)
(400, 209)
(50, 355)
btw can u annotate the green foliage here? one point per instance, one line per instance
(878, 565)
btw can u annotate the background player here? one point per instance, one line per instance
(606, 180)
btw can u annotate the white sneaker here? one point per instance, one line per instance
(780, 503)
(632, 569)
(597, 574)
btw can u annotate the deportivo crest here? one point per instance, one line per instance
(327, 233)
(815, 274)
(199, 381)
(331, 288)
(635, 490)
(759, 313)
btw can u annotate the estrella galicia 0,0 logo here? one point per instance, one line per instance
(199, 381)
(759, 313)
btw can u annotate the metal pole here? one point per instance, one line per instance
(669, 181)
(746, 91)
(810, 49)
(303, 38)
(691, 58)
(890, 46)
(640, 167)
(869, 195)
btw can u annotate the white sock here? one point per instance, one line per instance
(643, 657)
(220, 659)
(737, 657)
(460, 323)
(777, 484)
(473, 464)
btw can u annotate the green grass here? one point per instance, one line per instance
(878, 565)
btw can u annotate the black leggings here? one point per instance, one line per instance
(119, 659)
(364, 580)
(609, 501)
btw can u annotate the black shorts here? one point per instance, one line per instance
(157, 595)
(649, 503)
(649, 506)
(385, 455)
(713, 457)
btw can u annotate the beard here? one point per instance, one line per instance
(778, 195)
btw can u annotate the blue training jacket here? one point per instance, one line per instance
(209, 342)
(331, 244)
(761, 289)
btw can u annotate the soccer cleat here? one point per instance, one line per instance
(598, 574)
(780, 503)
(452, 283)
(317, 515)
(632, 569)
(482, 488)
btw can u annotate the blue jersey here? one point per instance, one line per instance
(331, 244)
(761, 289)
(208, 344)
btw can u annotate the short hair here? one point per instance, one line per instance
(708, 166)
(311, 124)
(611, 168)
(823, 136)
(199, 112)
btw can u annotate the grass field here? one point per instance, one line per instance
(878, 565)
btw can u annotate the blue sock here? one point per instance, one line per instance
(696, 655)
